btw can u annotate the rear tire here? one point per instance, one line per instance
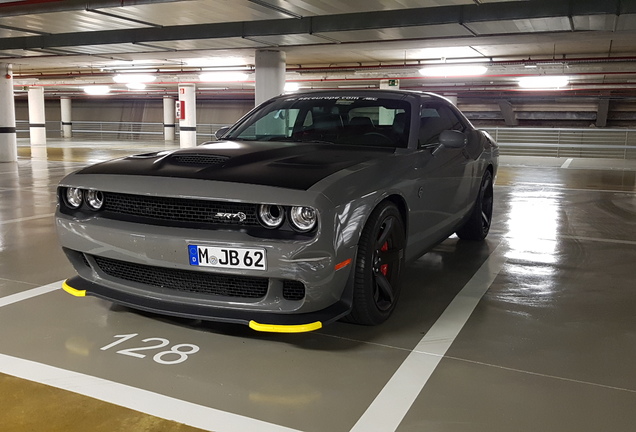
(379, 265)
(478, 224)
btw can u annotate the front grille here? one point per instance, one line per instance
(180, 209)
(293, 290)
(198, 159)
(185, 280)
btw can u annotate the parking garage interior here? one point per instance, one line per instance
(531, 329)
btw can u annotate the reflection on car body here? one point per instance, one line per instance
(304, 212)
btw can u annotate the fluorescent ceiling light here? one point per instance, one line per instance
(223, 76)
(97, 90)
(136, 86)
(134, 78)
(453, 71)
(291, 86)
(543, 82)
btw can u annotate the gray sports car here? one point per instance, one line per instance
(302, 213)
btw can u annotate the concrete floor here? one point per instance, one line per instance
(531, 330)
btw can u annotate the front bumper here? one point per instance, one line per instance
(314, 263)
(260, 321)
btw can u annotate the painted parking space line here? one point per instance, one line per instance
(388, 409)
(34, 292)
(567, 163)
(144, 401)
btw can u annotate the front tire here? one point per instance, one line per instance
(478, 224)
(378, 266)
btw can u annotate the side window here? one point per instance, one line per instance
(455, 121)
(434, 119)
(277, 123)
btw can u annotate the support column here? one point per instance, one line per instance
(8, 142)
(508, 113)
(37, 122)
(168, 118)
(270, 74)
(452, 98)
(188, 116)
(602, 112)
(387, 117)
(67, 124)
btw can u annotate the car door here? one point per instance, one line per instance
(442, 177)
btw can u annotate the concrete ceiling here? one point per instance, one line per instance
(65, 45)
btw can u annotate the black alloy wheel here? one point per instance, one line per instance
(378, 266)
(478, 224)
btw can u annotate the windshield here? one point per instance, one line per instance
(349, 120)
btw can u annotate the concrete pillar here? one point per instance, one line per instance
(37, 122)
(452, 98)
(188, 116)
(270, 74)
(67, 122)
(168, 118)
(508, 113)
(386, 117)
(8, 142)
(602, 112)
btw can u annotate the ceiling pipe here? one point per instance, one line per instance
(370, 68)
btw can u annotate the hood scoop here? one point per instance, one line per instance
(194, 159)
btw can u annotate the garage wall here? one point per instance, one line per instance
(483, 113)
(141, 111)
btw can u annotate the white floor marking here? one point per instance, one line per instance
(28, 218)
(24, 295)
(600, 240)
(144, 401)
(569, 189)
(388, 409)
(567, 163)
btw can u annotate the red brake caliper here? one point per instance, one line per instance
(384, 268)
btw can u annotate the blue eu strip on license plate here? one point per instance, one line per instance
(227, 257)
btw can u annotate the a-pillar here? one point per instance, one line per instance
(67, 122)
(188, 116)
(270, 74)
(8, 141)
(168, 118)
(37, 122)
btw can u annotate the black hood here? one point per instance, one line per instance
(288, 165)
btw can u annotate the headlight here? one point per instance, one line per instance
(73, 197)
(94, 199)
(303, 218)
(271, 216)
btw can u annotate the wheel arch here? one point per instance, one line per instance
(400, 203)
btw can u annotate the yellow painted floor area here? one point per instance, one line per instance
(33, 407)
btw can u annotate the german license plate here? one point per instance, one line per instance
(226, 257)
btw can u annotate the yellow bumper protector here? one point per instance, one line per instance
(273, 328)
(72, 291)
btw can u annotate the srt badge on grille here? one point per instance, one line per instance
(240, 216)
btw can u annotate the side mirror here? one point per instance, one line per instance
(451, 139)
(219, 133)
